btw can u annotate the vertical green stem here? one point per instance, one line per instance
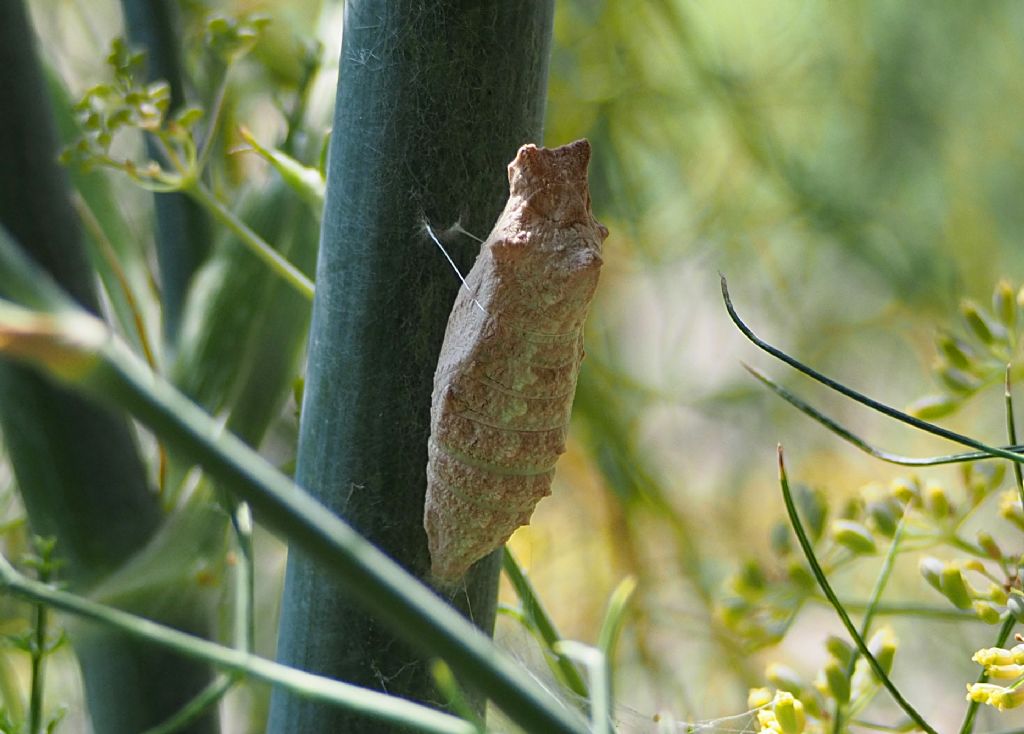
(39, 651)
(181, 233)
(434, 99)
(78, 467)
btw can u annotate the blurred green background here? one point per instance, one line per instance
(853, 168)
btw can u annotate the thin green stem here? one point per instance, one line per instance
(860, 443)
(211, 130)
(195, 708)
(238, 662)
(1011, 432)
(884, 574)
(972, 708)
(109, 255)
(256, 244)
(39, 651)
(536, 617)
(826, 588)
(860, 397)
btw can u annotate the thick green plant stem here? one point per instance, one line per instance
(78, 468)
(434, 99)
(80, 474)
(182, 233)
(70, 345)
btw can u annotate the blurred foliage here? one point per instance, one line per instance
(854, 170)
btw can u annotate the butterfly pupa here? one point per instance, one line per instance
(507, 371)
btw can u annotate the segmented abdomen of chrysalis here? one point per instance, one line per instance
(507, 373)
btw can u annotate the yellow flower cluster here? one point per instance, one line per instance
(1002, 665)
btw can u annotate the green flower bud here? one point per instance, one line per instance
(1009, 509)
(931, 407)
(905, 490)
(959, 353)
(956, 380)
(986, 612)
(954, 587)
(982, 326)
(932, 568)
(839, 648)
(883, 646)
(789, 713)
(997, 594)
(1015, 604)
(853, 508)
(853, 536)
(837, 681)
(885, 514)
(988, 543)
(1004, 305)
(759, 697)
(936, 501)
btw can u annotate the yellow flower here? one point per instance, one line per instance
(990, 656)
(998, 696)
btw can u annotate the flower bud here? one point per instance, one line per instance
(885, 514)
(931, 569)
(998, 696)
(954, 587)
(853, 536)
(956, 380)
(936, 501)
(991, 656)
(905, 490)
(1009, 509)
(997, 594)
(959, 353)
(1015, 604)
(986, 612)
(837, 680)
(839, 648)
(981, 325)
(931, 407)
(1004, 305)
(759, 697)
(883, 646)
(989, 545)
(789, 713)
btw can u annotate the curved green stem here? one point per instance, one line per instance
(238, 662)
(826, 588)
(860, 443)
(256, 244)
(860, 397)
(198, 706)
(536, 618)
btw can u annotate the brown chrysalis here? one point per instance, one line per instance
(507, 373)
